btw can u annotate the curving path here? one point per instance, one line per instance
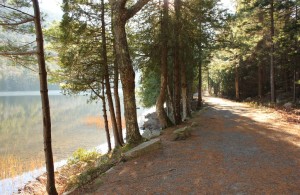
(234, 149)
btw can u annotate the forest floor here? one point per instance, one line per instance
(234, 149)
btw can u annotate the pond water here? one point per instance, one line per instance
(75, 124)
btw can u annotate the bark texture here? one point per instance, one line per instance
(237, 84)
(117, 139)
(160, 111)
(199, 103)
(105, 118)
(116, 92)
(272, 79)
(177, 77)
(50, 186)
(120, 16)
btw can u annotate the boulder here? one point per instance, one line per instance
(152, 122)
(288, 106)
(181, 134)
(248, 99)
(150, 134)
(143, 148)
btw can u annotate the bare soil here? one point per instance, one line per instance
(234, 149)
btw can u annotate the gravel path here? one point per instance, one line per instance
(234, 149)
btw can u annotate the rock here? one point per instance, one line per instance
(150, 134)
(194, 124)
(194, 104)
(152, 122)
(181, 134)
(288, 106)
(143, 148)
(248, 99)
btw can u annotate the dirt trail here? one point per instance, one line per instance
(235, 149)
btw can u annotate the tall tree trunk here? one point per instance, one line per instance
(294, 85)
(116, 92)
(208, 82)
(105, 118)
(50, 187)
(170, 104)
(260, 81)
(120, 16)
(177, 70)
(184, 90)
(160, 111)
(296, 62)
(117, 139)
(272, 79)
(237, 88)
(199, 102)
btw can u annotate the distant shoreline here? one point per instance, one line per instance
(28, 93)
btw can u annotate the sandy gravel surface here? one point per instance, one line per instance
(234, 149)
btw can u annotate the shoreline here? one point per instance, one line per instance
(14, 184)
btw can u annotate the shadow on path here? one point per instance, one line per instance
(230, 152)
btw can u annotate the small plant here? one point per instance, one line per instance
(83, 155)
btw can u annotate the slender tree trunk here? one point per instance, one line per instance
(105, 118)
(117, 139)
(183, 90)
(260, 83)
(170, 104)
(177, 70)
(160, 111)
(296, 64)
(294, 85)
(199, 102)
(237, 88)
(50, 187)
(208, 82)
(190, 99)
(117, 102)
(120, 16)
(272, 79)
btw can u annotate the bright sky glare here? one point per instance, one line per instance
(54, 12)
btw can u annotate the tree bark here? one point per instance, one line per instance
(120, 16)
(272, 79)
(177, 77)
(260, 81)
(117, 139)
(117, 102)
(199, 102)
(105, 118)
(116, 92)
(184, 90)
(161, 99)
(50, 186)
(237, 88)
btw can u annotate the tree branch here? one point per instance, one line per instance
(135, 8)
(21, 53)
(18, 23)
(8, 7)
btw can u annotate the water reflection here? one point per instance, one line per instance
(21, 132)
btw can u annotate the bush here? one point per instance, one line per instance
(83, 155)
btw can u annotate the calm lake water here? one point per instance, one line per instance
(74, 125)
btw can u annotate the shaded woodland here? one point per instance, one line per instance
(179, 48)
